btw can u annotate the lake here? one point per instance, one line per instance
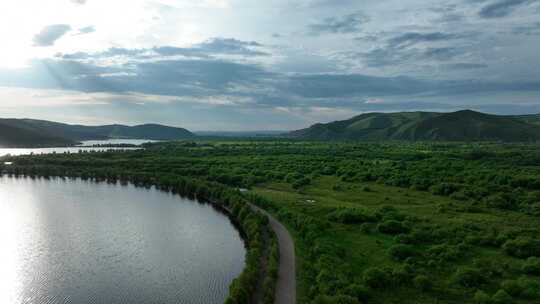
(74, 241)
(85, 146)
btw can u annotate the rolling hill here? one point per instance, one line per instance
(41, 133)
(463, 125)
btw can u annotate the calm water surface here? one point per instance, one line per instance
(86, 147)
(83, 242)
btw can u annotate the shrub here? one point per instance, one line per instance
(522, 247)
(502, 297)
(400, 252)
(301, 183)
(359, 292)
(500, 202)
(512, 287)
(531, 266)
(392, 227)
(422, 282)
(401, 275)
(376, 277)
(481, 297)
(365, 228)
(339, 299)
(351, 216)
(530, 288)
(469, 277)
(444, 189)
(444, 252)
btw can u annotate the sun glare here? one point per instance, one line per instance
(10, 282)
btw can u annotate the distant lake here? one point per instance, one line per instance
(87, 147)
(73, 241)
(117, 141)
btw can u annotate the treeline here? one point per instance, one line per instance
(497, 176)
(252, 223)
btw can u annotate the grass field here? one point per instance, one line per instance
(363, 249)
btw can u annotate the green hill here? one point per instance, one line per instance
(463, 125)
(41, 133)
(14, 137)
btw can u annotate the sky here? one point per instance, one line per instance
(245, 65)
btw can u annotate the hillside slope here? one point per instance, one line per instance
(18, 137)
(30, 133)
(463, 125)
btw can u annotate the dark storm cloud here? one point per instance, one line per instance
(339, 25)
(205, 50)
(417, 48)
(166, 77)
(329, 85)
(530, 29)
(501, 8)
(49, 34)
(411, 38)
(388, 56)
(336, 86)
(225, 46)
(465, 66)
(205, 78)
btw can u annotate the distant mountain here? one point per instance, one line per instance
(463, 125)
(40, 133)
(17, 137)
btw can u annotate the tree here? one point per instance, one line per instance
(502, 297)
(422, 282)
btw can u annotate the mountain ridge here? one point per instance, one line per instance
(42, 133)
(464, 125)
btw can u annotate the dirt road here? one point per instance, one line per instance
(286, 284)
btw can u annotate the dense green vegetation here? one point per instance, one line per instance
(39, 133)
(373, 223)
(412, 126)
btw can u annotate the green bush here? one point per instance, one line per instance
(376, 277)
(365, 228)
(339, 299)
(392, 227)
(469, 277)
(401, 252)
(530, 288)
(359, 292)
(401, 275)
(351, 216)
(502, 297)
(444, 189)
(480, 297)
(422, 283)
(522, 247)
(531, 266)
(512, 287)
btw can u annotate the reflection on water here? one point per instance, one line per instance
(85, 146)
(117, 141)
(82, 242)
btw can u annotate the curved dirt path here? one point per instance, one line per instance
(286, 284)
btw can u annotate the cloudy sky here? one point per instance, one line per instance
(255, 65)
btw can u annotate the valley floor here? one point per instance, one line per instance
(371, 222)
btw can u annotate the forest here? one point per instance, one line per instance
(372, 222)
